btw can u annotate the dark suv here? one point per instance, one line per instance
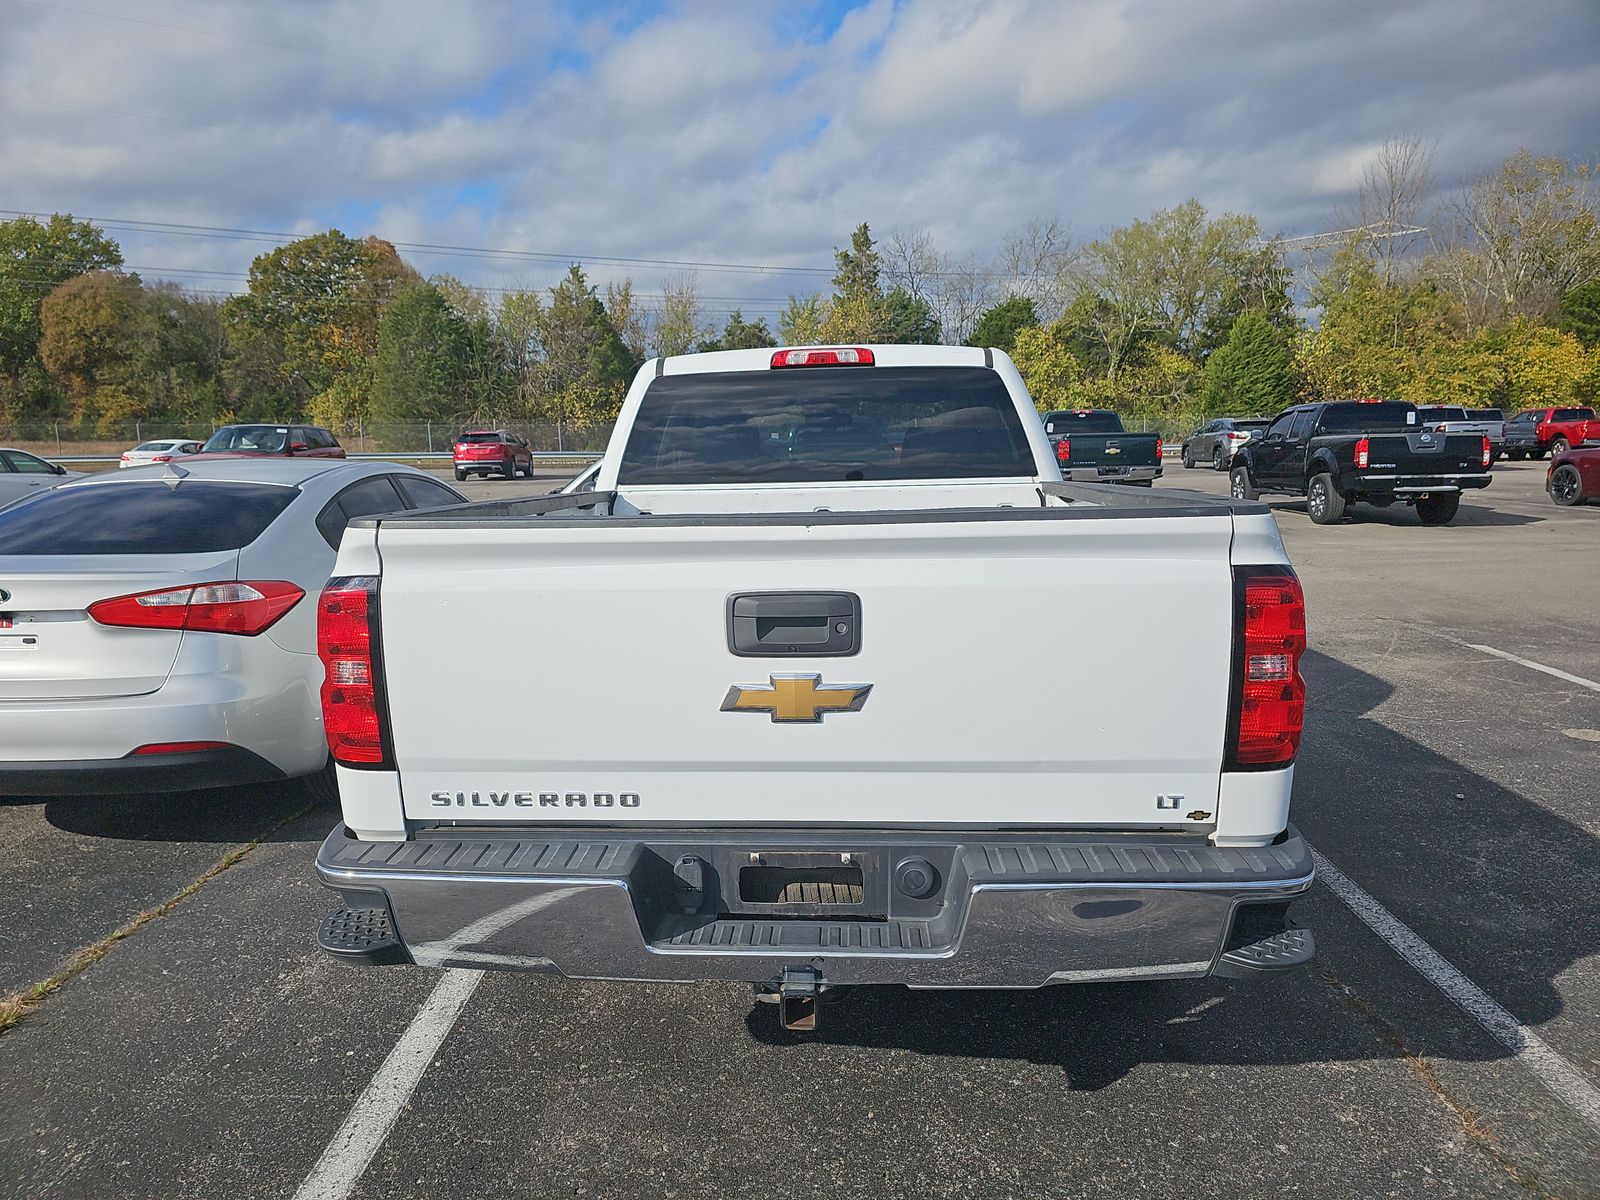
(481, 451)
(290, 441)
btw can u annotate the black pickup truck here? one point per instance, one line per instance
(1092, 447)
(1335, 454)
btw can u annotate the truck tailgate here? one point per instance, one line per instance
(578, 670)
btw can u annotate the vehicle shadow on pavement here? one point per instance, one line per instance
(1496, 883)
(231, 815)
(1403, 516)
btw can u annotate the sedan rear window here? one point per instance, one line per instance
(819, 425)
(144, 517)
(480, 437)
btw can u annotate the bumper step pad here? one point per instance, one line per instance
(1282, 951)
(361, 936)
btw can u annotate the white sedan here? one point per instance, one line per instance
(159, 451)
(158, 625)
(23, 474)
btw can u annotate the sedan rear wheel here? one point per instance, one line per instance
(1566, 485)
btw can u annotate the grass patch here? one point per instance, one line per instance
(20, 1003)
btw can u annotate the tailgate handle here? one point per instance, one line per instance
(801, 624)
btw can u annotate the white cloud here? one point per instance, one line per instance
(729, 131)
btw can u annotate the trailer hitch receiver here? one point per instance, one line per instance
(796, 993)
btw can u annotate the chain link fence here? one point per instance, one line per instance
(66, 439)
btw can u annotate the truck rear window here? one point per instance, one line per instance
(1368, 418)
(1441, 412)
(144, 517)
(826, 425)
(1059, 424)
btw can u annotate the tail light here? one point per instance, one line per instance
(1486, 454)
(1064, 451)
(1363, 454)
(1159, 444)
(245, 608)
(1542, 430)
(839, 356)
(162, 458)
(1269, 697)
(353, 712)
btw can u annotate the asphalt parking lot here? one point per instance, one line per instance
(1448, 778)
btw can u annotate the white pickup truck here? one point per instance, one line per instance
(778, 697)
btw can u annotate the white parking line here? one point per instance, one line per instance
(1564, 1080)
(345, 1160)
(1531, 665)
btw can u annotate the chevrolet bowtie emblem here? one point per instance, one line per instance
(796, 698)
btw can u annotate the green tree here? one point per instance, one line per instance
(1579, 313)
(120, 351)
(904, 319)
(1054, 377)
(739, 334)
(858, 268)
(1252, 374)
(310, 315)
(999, 326)
(802, 320)
(1373, 335)
(422, 359)
(35, 257)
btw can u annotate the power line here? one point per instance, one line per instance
(227, 233)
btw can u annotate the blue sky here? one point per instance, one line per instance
(750, 132)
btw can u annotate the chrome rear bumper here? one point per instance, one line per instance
(993, 909)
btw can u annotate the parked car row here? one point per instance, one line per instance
(1536, 432)
(155, 628)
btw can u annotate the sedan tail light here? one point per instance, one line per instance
(246, 608)
(1269, 696)
(354, 714)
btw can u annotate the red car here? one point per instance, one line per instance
(287, 441)
(1574, 477)
(481, 451)
(1535, 431)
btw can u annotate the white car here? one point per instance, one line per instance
(158, 625)
(159, 451)
(23, 474)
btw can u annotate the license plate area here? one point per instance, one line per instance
(806, 883)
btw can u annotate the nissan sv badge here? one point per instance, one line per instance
(796, 698)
